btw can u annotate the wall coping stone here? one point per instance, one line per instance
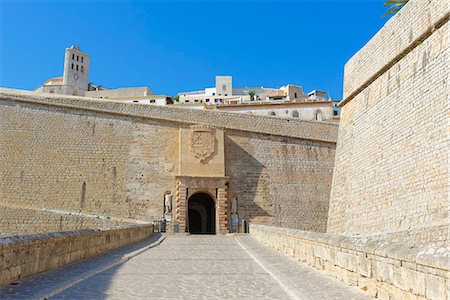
(308, 130)
(432, 15)
(430, 256)
(20, 239)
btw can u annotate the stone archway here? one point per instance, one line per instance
(201, 214)
(214, 187)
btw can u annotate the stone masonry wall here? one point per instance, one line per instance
(383, 270)
(84, 162)
(24, 256)
(391, 169)
(280, 181)
(23, 221)
(117, 160)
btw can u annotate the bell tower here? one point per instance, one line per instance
(76, 70)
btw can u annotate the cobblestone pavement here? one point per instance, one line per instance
(199, 267)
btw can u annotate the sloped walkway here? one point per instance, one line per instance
(188, 267)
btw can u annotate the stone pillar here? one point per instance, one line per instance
(181, 205)
(222, 209)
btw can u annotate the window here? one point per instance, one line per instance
(77, 67)
(73, 56)
(272, 113)
(295, 114)
(186, 101)
(214, 94)
(335, 113)
(206, 100)
(318, 115)
(82, 69)
(226, 94)
(195, 100)
(295, 95)
(152, 101)
(135, 101)
(72, 66)
(224, 87)
(78, 57)
(82, 61)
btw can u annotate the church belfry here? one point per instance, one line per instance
(76, 69)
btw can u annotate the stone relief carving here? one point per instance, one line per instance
(169, 167)
(202, 142)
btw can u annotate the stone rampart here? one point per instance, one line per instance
(401, 34)
(118, 160)
(24, 221)
(23, 256)
(310, 130)
(384, 270)
(391, 168)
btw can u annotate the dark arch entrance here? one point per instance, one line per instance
(202, 214)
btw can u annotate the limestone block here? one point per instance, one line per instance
(436, 287)
(383, 271)
(409, 280)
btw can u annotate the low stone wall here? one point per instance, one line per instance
(385, 270)
(25, 221)
(22, 256)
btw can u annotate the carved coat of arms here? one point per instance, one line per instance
(202, 142)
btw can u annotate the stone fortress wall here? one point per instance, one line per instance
(391, 171)
(23, 221)
(72, 155)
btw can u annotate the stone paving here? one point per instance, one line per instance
(191, 267)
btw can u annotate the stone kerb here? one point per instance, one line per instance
(23, 256)
(309, 130)
(404, 31)
(383, 269)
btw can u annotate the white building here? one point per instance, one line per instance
(142, 95)
(287, 101)
(224, 93)
(75, 79)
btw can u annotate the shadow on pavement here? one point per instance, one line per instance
(44, 284)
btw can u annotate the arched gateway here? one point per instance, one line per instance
(201, 214)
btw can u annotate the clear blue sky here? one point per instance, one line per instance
(174, 46)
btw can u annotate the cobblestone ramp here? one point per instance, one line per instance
(198, 267)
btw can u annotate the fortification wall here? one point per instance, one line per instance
(391, 169)
(117, 160)
(27, 255)
(383, 270)
(280, 181)
(22, 221)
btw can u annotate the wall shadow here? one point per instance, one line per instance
(93, 277)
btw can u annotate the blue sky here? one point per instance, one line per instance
(174, 46)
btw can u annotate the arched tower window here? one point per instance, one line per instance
(319, 116)
(295, 114)
(272, 113)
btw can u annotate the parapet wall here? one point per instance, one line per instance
(309, 130)
(384, 270)
(391, 168)
(24, 221)
(23, 256)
